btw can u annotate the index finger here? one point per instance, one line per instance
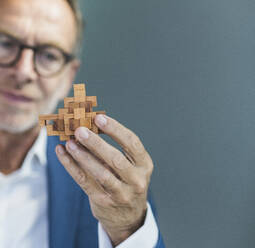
(126, 138)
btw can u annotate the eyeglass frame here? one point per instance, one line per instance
(68, 57)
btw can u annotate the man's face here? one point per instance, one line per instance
(23, 93)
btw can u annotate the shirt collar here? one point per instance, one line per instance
(39, 147)
(36, 153)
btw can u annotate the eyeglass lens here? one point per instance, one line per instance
(48, 59)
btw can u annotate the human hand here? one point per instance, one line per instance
(115, 182)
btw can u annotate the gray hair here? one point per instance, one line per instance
(80, 24)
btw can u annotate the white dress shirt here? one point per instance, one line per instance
(23, 201)
(23, 207)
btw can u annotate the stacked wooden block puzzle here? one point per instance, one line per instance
(77, 112)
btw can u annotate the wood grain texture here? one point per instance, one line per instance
(77, 112)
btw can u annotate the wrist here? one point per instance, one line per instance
(120, 234)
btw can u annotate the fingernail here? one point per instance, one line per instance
(72, 145)
(101, 120)
(60, 150)
(83, 133)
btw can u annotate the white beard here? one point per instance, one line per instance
(31, 121)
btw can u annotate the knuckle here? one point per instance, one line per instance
(142, 154)
(81, 179)
(118, 160)
(106, 177)
(138, 147)
(115, 185)
(141, 187)
(125, 199)
(136, 143)
(99, 199)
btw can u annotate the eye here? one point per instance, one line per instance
(50, 56)
(7, 44)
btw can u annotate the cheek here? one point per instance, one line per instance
(56, 86)
(47, 86)
(4, 72)
(5, 76)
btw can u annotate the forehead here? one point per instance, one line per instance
(39, 21)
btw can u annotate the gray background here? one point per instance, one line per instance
(181, 75)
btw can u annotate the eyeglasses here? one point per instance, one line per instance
(48, 60)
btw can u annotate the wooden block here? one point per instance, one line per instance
(67, 100)
(72, 106)
(79, 113)
(61, 113)
(85, 122)
(55, 125)
(93, 115)
(82, 105)
(90, 114)
(79, 92)
(76, 123)
(92, 99)
(88, 106)
(42, 123)
(94, 128)
(67, 125)
(78, 87)
(79, 99)
(50, 131)
(48, 117)
(64, 137)
(101, 112)
(59, 125)
(73, 124)
(69, 132)
(68, 116)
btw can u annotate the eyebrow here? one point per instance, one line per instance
(10, 34)
(49, 43)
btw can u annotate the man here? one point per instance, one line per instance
(104, 201)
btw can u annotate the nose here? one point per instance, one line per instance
(24, 69)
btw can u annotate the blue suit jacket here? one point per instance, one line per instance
(71, 223)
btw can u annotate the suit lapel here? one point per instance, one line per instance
(63, 201)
